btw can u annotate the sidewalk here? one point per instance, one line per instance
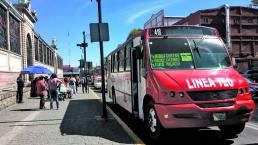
(77, 122)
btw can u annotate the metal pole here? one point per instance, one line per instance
(104, 109)
(84, 47)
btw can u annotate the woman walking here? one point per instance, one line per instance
(41, 91)
(53, 84)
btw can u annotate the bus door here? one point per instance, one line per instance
(134, 87)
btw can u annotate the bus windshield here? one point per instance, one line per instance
(188, 53)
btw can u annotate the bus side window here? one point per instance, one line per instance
(143, 62)
(121, 60)
(128, 58)
(115, 62)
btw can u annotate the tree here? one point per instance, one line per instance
(133, 33)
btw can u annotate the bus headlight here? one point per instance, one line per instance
(181, 94)
(172, 94)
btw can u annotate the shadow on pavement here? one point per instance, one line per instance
(177, 136)
(83, 117)
(28, 109)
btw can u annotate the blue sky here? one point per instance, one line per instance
(57, 18)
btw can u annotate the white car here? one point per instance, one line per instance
(97, 83)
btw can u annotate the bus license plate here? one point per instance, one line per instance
(219, 116)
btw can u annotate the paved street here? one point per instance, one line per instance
(77, 122)
(203, 137)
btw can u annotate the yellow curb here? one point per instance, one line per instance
(135, 138)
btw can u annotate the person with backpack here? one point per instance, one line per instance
(41, 89)
(53, 84)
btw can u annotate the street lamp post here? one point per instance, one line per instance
(104, 109)
(84, 45)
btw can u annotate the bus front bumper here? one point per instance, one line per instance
(192, 116)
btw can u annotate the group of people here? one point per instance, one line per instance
(54, 88)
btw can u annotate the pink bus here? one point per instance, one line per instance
(179, 77)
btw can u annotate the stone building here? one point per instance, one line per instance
(21, 46)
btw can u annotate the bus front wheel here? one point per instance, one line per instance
(152, 122)
(232, 129)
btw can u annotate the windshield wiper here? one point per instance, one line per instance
(196, 48)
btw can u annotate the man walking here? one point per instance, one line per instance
(84, 84)
(20, 86)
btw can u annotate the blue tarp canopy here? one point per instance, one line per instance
(36, 70)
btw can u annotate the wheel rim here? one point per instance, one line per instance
(152, 120)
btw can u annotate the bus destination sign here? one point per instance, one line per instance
(182, 31)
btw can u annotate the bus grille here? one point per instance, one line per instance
(212, 95)
(214, 105)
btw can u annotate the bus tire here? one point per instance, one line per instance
(152, 122)
(232, 129)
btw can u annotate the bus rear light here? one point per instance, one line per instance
(172, 94)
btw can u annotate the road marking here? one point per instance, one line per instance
(253, 125)
(135, 138)
(4, 140)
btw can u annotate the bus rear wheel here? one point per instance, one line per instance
(152, 122)
(232, 129)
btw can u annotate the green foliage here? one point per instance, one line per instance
(134, 33)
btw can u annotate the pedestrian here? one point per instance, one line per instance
(46, 80)
(20, 86)
(77, 83)
(53, 84)
(84, 84)
(41, 91)
(72, 85)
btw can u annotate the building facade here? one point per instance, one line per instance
(159, 19)
(237, 25)
(20, 45)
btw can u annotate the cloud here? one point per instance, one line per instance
(146, 11)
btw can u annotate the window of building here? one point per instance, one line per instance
(40, 52)
(48, 56)
(236, 21)
(250, 20)
(3, 28)
(45, 53)
(14, 35)
(205, 20)
(36, 46)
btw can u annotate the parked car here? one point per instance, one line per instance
(252, 74)
(253, 88)
(97, 83)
